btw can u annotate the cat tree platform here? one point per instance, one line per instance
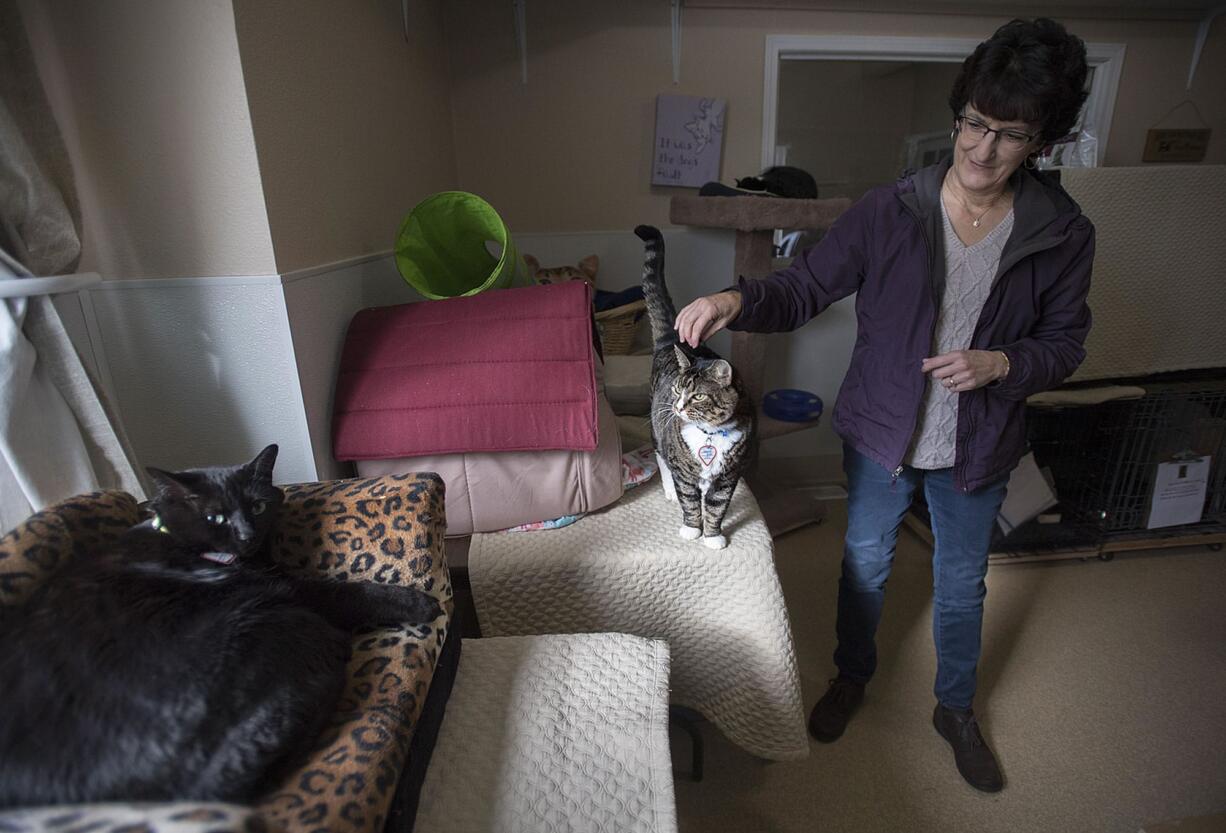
(754, 219)
(750, 214)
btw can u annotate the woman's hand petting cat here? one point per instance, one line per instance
(704, 317)
(964, 370)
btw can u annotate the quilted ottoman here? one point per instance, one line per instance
(566, 732)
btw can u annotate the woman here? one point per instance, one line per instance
(971, 279)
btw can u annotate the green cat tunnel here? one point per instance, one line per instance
(454, 243)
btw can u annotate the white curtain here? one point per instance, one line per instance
(57, 436)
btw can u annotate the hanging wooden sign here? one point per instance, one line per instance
(1187, 145)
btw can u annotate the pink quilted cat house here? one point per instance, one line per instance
(500, 393)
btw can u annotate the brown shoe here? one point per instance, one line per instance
(829, 717)
(974, 757)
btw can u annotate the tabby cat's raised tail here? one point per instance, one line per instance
(660, 309)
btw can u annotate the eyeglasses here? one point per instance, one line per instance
(1013, 139)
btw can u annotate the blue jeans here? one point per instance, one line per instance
(962, 528)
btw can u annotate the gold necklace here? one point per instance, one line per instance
(975, 221)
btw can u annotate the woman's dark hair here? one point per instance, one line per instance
(1031, 71)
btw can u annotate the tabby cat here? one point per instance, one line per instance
(702, 421)
(585, 271)
(182, 663)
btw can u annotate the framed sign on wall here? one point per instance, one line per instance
(689, 140)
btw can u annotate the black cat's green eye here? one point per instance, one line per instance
(217, 520)
(258, 507)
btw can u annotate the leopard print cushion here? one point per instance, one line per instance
(47, 540)
(387, 530)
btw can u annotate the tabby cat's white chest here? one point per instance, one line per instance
(710, 448)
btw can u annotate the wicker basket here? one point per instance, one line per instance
(618, 325)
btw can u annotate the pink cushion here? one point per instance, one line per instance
(491, 490)
(506, 370)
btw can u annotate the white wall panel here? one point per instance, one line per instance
(320, 303)
(204, 371)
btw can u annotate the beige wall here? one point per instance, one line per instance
(211, 139)
(352, 124)
(571, 150)
(149, 97)
(1154, 81)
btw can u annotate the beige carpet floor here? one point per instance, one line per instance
(1102, 690)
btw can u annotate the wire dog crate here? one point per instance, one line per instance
(1104, 458)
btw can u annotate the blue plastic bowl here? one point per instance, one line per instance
(790, 405)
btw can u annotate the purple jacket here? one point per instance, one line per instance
(888, 248)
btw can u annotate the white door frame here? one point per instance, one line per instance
(1107, 59)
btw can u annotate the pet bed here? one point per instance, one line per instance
(387, 531)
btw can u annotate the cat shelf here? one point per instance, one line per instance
(756, 213)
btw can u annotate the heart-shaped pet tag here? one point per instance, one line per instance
(707, 454)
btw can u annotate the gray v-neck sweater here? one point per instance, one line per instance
(969, 271)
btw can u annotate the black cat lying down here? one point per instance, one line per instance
(182, 663)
